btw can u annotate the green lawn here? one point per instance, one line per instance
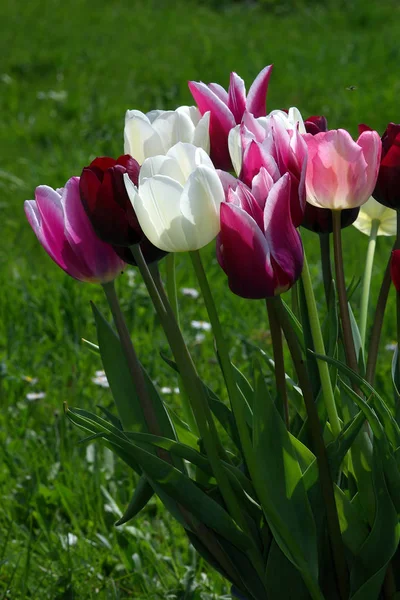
(68, 72)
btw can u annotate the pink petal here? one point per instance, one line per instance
(257, 96)
(261, 186)
(371, 145)
(237, 97)
(227, 180)
(219, 91)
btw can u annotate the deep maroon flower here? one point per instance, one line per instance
(316, 124)
(106, 201)
(387, 189)
(395, 269)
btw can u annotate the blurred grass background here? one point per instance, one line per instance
(69, 70)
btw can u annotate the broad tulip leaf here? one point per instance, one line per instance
(357, 341)
(312, 366)
(282, 494)
(283, 579)
(370, 565)
(296, 325)
(354, 529)
(141, 496)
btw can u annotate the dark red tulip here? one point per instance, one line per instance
(106, 201)
(395, 269)
(387, 189)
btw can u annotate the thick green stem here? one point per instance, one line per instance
(134, 366)
(171, 284)
(323, 369)
(325, 477)
(196, 393)
(325, 249)
(349, 348)
(373, 347)
(366, 284)
(280, 373)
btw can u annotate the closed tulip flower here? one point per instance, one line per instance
(374, 211)
(62, 227)
(395, 269)
(387, 189)
(259, 250)
(178, 198)
(227, 109)
(341, 172)
(157, 131)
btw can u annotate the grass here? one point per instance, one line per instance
(69, 71)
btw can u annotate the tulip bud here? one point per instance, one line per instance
(395, 269)
(387, 189)
(341, 173)
(106, 201)
(227, 108)
(260, 251)
(316, 124)
(62, 227)
(177, 200)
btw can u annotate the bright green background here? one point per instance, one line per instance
(68, 71)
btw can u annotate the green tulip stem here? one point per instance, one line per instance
(280, 373)
(314, 424)
(197, 394)
(348, 341)
(294, 297)
(323, 368)
(171, 284)
(366, 284)
(325, 249)
(133, 363)
(376, 330)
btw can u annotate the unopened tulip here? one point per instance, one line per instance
(227, 109)
(374, 211)
(315, 124)
(62, 227)
(274, 144)
(395, 269)
(106, 201)
(258, 246)
(341, 173)
(387, 189)
(178, 198)
(157, 131)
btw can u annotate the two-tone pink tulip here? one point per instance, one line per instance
(275, 144)
(258, 246)
(227, 108)
(62, 227)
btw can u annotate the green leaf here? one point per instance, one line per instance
(295, 323)
(141, 496)
(354, 529)
(370, 565)
(357, 341)
(282, 494)
(283, 579)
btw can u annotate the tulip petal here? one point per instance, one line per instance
(157, 208)
(235, 148)
(245, 254)
(371, 145)
(50, 238)
(227, 180)
(201, 137)
(161, 165)
(261, 186)
(189, 157)
(236, 97)
(219, 91)
(256, 98)
(140, 139)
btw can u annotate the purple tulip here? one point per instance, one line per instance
(258, 246)
(62, 227)
(227, 109)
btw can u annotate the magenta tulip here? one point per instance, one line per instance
(62, 227)
(227, 109)
(387, 189)
(258, 246)
(267, 143)
(341, 173)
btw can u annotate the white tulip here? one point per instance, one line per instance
(373, 210)
(178, 198)
(154, 133)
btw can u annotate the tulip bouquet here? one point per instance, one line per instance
(290, 489)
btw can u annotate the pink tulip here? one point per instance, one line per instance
(62, 227)
(227, 109)
(267, 143)
(258, 246)
(341, 173)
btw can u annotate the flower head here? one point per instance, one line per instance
(227, 108)
(177, 200)
(154, 133)
(62, 227)
(374, 211)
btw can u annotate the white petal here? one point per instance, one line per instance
(189, 157)
(372, 210)
(235, 148)
(200, 202)
(141, 140)
(161, 165)
(296, 118)
(164, 125)
(130, 114)
(157, 208)
(152, 115)
(131, 189)
(192, 112)
(201, 137)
